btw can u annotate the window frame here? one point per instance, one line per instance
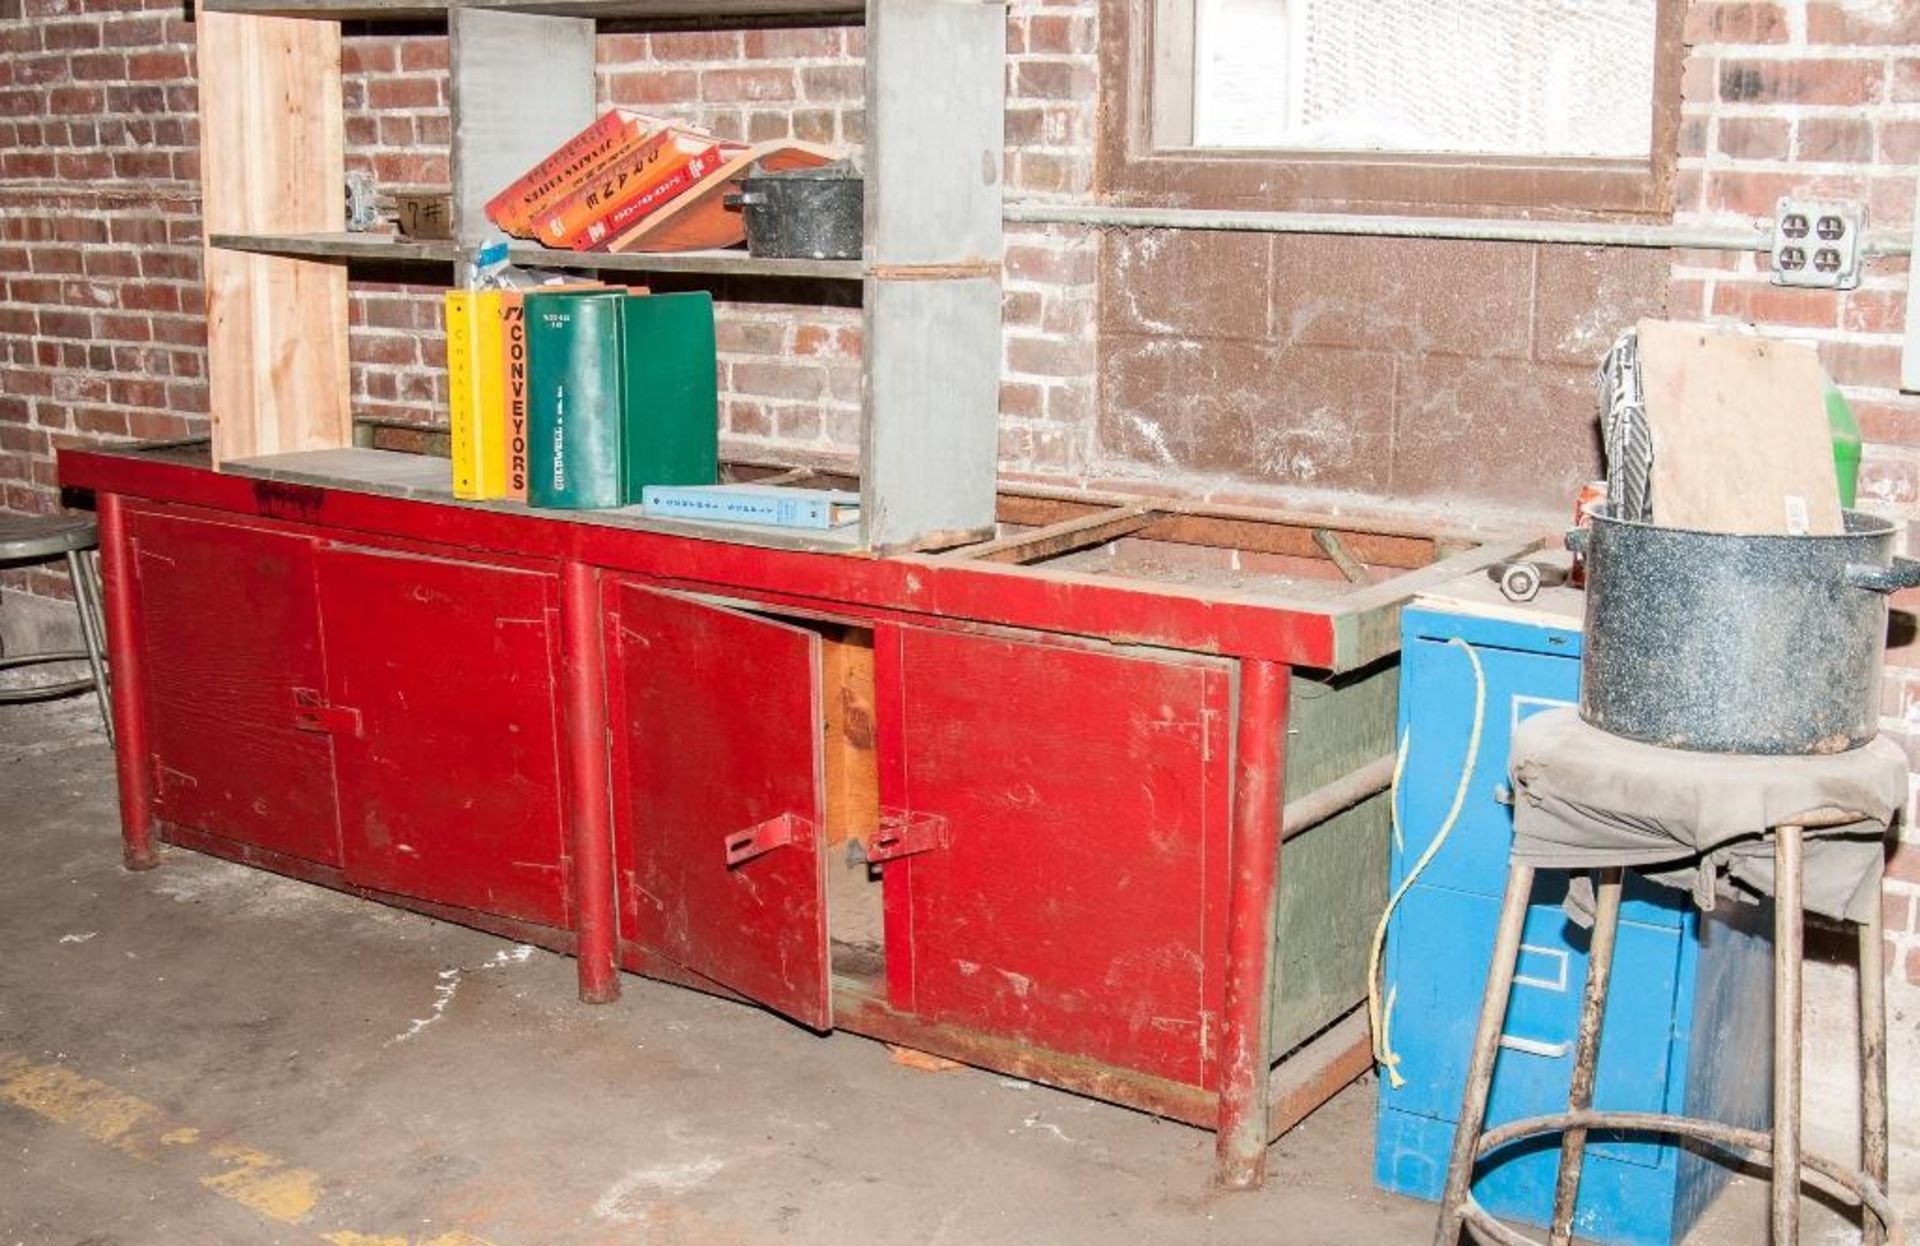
(1137, 36)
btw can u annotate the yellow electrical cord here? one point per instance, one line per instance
(1381, 1019)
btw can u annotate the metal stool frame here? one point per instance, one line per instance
(83, 570)
(1881, 1224)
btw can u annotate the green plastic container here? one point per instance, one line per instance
(1846, 443)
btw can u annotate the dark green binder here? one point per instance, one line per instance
(573, 399)
(671, 434)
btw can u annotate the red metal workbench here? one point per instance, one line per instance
(1064, 782)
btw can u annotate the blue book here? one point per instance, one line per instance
(769, 505)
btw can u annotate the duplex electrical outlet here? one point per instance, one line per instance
(1816, 244)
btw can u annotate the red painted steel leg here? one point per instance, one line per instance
(129, 686)
(1247, 1033)
(589, 807)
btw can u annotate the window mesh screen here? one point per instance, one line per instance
(1501, 77)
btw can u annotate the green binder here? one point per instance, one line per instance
(671, 432)
(573, 399)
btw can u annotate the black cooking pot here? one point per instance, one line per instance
(1722, 643)
(814, 214)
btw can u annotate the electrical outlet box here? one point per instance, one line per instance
(1816, 244)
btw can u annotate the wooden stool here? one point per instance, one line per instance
(1472, 1141)
(42, 538)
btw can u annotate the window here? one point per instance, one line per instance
(1381, 104)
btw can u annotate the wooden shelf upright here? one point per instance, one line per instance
(277, 255)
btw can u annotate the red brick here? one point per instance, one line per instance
(1754, 138)
(1853, 23)
(766, 126)
(1049, 357)
(1735, 21)
(834, 82)
(1906, 81)
(69, 35)
(1899, 142)
(777, 380)
(677, 46)
(1890, 476)
(1873, 311)
(800, 43)
(1758, 302)
(1896, 911)
(1757, 194)
(156, 66)
(1904, 863)
(1891, 198)
(1052, 80)
(676, 86)
(1048, 173)
(1020, 399)
(1800, 82)
(423, 54)
(1868, 365)
(368, 55)
(1068, 33)
(1073, 266)
(74, 101)
(403, 93)
(1842, 140)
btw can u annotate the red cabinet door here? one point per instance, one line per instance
(717, 757)
(1078, 902)
(441, 693)
(231, 630)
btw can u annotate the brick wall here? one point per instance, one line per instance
(100, 300)
(1823, 97)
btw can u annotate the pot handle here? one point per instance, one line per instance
(1903, 573)
(746, 199)
(1577, 540)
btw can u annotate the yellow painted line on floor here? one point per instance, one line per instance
(262, 1182)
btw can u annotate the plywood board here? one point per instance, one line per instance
(933, 404)
(272, 161)
(852, 767)
(505, 124)
(936, 126)
(1740, 437)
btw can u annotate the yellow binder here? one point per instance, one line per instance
(476, 387)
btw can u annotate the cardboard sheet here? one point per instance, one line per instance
(1740, 437)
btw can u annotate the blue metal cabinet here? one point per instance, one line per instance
(1675, 975)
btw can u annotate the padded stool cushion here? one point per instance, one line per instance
(25, 537)
(1584, 798)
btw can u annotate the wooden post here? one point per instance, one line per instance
(1873, 1066)
(131, 754)
(1787, 950)
(1586, 1059)
(589, 797)
(1486, 1047)
(1247, 1024)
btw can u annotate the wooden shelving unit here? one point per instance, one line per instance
(278, 255)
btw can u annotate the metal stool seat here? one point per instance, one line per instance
(41, 538)
(1813, 838)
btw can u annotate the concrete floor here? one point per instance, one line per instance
(206, 1054)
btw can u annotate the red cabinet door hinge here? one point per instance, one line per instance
(312, 713)
(901, 834)
(765, 837)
